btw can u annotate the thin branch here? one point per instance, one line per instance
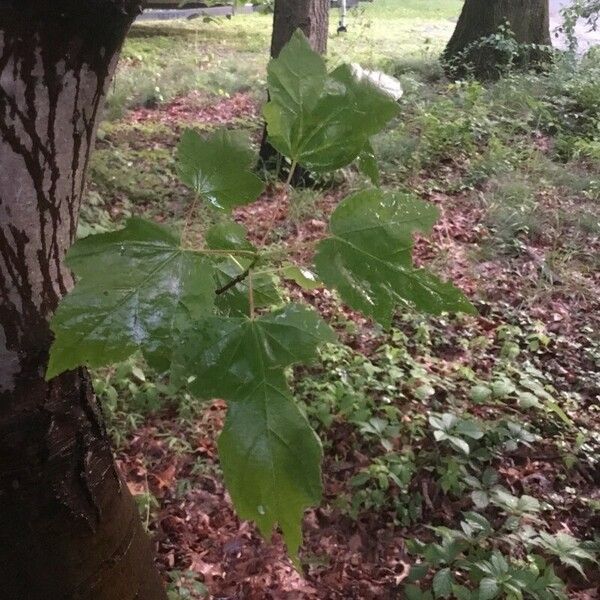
(222, 252)
(238, 279)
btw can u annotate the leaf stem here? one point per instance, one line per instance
(251, 294)
(288, 181)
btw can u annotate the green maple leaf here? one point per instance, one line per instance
(271, 459)
(269, 453)
(134, 287)
(368, 257)
(218, 168)
(296, 79)
(227, 354)
(322, 122)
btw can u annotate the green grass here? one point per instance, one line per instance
(162, 60)
(414, 9)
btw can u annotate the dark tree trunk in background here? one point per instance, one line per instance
(69, 529)
(312, 16)
(528, 19)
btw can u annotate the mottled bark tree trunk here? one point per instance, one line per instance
(312, 16)
(69, 528)
(528, 19)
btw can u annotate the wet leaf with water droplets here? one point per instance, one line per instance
(227, 354)
(134, 287)
(271, 459)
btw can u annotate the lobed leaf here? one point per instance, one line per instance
(228, 354)
(368, 257)
(323, 123)
(296, 78)
(218, 168)
(134, 287)
(269, 453)
(271, 459)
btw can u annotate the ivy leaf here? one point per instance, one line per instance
(218, 168)
(133, 288)
(368, 257)
(271, 459)
(228, 354)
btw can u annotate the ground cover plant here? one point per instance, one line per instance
(460, 451)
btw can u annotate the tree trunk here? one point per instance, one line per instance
(529, 20)
(312, 16)
(69, 529)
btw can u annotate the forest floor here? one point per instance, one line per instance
(515, 170)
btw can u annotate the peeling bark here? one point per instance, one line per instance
(69, 528)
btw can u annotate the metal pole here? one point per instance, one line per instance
(343, 12)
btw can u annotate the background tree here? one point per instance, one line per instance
(312, 17)
(68, 525)
(529, 21)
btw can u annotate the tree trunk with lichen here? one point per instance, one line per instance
(529, 21)
(69, 529)
(312, 17)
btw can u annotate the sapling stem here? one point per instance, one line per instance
(288, 184)
(251, 294)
